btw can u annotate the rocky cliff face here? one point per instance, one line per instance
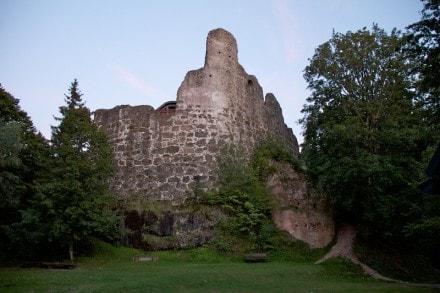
(300, 212)
(163, 154)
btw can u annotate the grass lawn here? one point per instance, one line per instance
(193, 271)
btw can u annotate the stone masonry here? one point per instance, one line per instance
(162, 154)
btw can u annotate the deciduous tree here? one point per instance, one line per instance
(423, 43)
(363, 133)
(23, 167)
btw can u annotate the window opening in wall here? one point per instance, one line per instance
(250, 83)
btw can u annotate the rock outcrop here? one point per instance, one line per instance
(300, 212)
(163, 154)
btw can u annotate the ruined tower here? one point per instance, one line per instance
(161, 154)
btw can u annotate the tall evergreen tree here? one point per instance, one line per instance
(80, 201)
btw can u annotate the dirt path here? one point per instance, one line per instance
(344, 248)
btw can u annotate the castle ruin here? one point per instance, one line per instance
(162, 154)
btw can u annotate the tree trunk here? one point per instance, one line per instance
(71, 249)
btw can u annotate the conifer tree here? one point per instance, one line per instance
(80, 200)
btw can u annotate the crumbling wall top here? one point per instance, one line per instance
(221, 49)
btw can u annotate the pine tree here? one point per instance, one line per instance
(80, 200)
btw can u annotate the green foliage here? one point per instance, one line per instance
(23, 167)
(10, 146)
(286, 249)
(241, 194)
(242, 197)
(95, 252)
(76, 200)
(423, 45)
(397, 262)
(422, 232)
(271, 149)
(364, 135)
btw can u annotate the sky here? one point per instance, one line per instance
(137, 52)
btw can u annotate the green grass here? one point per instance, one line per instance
(197, 270)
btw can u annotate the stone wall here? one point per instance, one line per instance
(162, 154)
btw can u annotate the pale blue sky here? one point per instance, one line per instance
(137, 52)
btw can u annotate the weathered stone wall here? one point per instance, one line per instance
(162, 155)
(157, 155)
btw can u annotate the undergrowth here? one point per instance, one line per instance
(96, 250)
(242, 196)
(406, 265)
(286, 250)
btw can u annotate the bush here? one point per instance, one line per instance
(271, 149)
(241, 194)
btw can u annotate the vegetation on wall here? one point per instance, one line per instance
(241, 194)
(271, 149)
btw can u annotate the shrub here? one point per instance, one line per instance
(241, 194)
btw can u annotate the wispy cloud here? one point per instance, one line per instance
(132, 80)
(127, 76)
(284, 13)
